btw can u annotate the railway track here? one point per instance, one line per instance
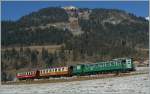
(76, 78)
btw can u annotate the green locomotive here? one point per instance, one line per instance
(115, 65)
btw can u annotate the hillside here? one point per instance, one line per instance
(82, 35)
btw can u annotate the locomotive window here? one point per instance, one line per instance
(58, 69)
(104, 65)
(123, 61)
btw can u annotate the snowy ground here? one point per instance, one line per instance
(137, 84)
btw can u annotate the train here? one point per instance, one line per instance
(112, 66)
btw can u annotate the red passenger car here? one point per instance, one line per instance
(27, 75)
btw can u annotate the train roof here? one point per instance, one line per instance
(104, 61)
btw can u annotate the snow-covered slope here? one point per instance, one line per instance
(137, 84)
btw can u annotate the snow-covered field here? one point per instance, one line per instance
(137, 84)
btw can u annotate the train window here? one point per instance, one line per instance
(55, 70)
(62, 69)
(58, 69)
(104, 65)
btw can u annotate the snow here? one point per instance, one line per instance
(136, 84)
(147, 18)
